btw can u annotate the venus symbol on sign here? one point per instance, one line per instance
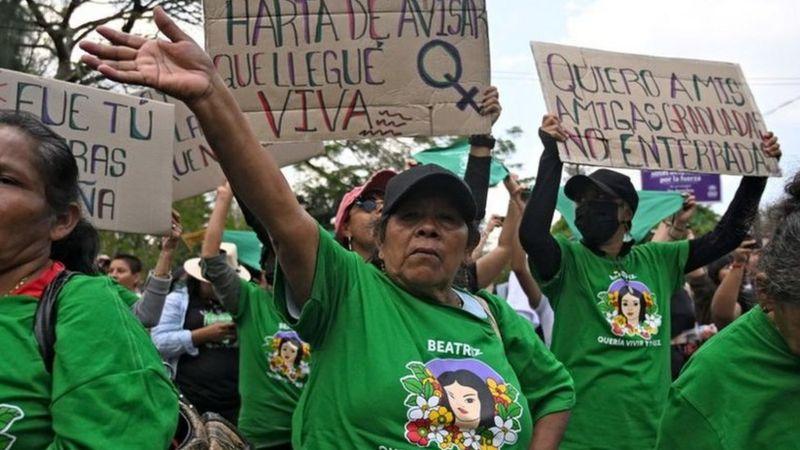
(449, 79)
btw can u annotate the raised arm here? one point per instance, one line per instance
(148, 309)
(725, 306)
(519, 265)
(737, 220)
(223, 278)
(489, 266)
(534, 231)
(180, 68)
(479, 162)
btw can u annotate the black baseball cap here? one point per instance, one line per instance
(434, 177)
(612, 183)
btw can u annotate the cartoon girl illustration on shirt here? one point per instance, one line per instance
(468, 397)
(632, 306)
(630, 309)
(460, 404)
(288, 357)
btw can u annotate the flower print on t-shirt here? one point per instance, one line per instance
(8, 415)
(288, 357)
(630, 308)
(460, 404)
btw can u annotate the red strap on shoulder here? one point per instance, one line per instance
(35, 288)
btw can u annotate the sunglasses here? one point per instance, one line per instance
(368, 204)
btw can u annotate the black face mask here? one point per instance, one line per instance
(597, 221)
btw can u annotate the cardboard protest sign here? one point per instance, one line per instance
(353, 69)
(122, 144)
(706, 187)
(644, 112)
(194, 167)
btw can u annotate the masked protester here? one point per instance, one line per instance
(400, 357)
(612, 298)
(741, 389)
(106, 388)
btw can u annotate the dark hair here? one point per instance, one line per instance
(642, 302)
(59, 173)
(133, 262)
(781, 256)
(469, 379)
(297, 343)
(193, 287)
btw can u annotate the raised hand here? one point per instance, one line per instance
(490, 105)
(686, 213)
(771, 146)
(224, 192)
(178, 67)
(170, 242)
(552, 126)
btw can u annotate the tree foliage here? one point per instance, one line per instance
(50, 29)
(323, 181)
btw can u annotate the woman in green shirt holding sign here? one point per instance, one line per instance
(612, 298)
(386, 339)
(104, 387)
(741, 390)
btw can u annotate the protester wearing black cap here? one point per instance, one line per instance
(403, 360)
(612, 298)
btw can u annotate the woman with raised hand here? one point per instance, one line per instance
(382, 336)
(593, 282)
(101, 384)
(273, 362)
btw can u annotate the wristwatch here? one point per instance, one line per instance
(482, 140)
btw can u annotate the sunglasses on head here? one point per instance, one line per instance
(368, 204)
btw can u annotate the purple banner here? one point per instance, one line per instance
(706, 187)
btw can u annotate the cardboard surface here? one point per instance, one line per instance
(195, 169)
(122, 145)
(353, 69)
(645, 112)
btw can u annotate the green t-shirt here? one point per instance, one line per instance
(273, 367)
(741, 390)
(612, 331)
(392, 371)
(108, 389)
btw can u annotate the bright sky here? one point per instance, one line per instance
(762, 36)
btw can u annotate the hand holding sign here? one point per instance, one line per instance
(490, 106)
(551, 126)
(179, 68)
(771, 146)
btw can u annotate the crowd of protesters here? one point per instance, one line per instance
(389, 332)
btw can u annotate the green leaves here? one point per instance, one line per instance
(412, 385)
(418, 369)
(514, 410)
(8, 415)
